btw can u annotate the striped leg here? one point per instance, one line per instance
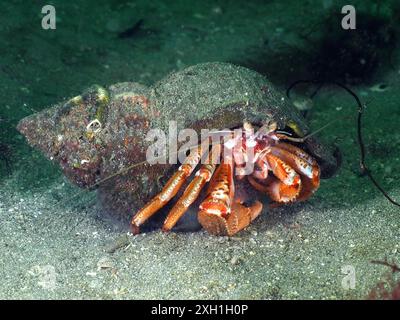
(303, 163)
(219, 213)
(296, 174)
(192, 191)
(284, 186)
(169, 191)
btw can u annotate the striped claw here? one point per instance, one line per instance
(295, 174)
(219, 214)
(302, 163)
(239, 218)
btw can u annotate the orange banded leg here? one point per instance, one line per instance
(296, 151)
(297, 158)
(219, 214)
(238, 219)
(192, 191)
(169, 191)
(285, 186)
(220, 191)
(303, 163)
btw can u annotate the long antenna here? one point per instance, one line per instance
(302, 139)
(364, 168)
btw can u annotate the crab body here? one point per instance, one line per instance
(97, 137)
(284, 172)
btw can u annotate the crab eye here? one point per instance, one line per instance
(295, 127)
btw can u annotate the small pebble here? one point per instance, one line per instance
(105, 263)
(217, 10)
(380, 87)
(235, 260)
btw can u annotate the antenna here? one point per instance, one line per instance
(364, 168)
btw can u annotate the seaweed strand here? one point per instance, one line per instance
(364, 168)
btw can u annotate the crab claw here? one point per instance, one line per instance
(295, 174)
(239, 218)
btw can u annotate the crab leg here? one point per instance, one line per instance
(303, 163)
(192, 191)
(169, 191)
(285, 187)
(219, 213)
(296, 172)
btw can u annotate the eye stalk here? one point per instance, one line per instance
(295, 127)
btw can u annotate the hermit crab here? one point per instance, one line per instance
(100, 139)
(283, 171)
